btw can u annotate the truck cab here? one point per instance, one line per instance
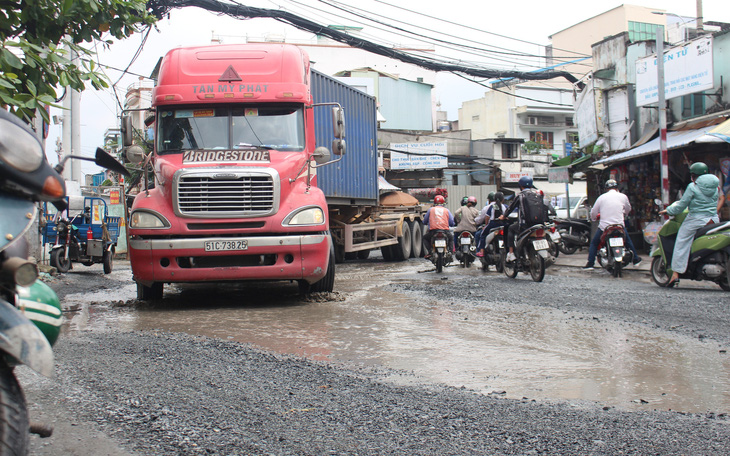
(234, 195)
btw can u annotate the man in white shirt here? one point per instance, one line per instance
(612, 206)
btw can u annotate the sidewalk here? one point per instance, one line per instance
(580, 258)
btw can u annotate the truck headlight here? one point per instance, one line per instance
(147, 219)
(306, 216)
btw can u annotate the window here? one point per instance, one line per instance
(544, 138)
(572, 137)
(641, 31)
(693, 105)
(568, 121)
(509, 150)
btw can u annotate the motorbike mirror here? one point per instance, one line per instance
(105, 160)
(135, 154)
(658, 202)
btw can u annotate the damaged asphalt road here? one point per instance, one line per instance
(159, 392)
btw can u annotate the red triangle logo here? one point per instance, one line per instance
(230, 75)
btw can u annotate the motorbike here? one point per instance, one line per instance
(532, 252)
(553, 237)
(612, 254)
(574, 234)
(466, 250)
(30, 312)
(493, 247)
(709, 255)
(440, 253)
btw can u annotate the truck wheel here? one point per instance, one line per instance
(417, 237)
(403, 248)
(325, 284)
(151, 293)
(59, 261)
(107, 260)
(387, 252)
(363, 254)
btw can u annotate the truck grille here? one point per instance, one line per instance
(219, 194)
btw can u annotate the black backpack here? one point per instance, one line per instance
(534, 210)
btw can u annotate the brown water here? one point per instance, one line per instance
(544, 356)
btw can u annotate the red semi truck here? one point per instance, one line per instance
(239, 179)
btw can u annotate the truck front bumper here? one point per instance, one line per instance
(285, 257)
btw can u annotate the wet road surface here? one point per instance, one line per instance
(515, 350)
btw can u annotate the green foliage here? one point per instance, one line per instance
(37, 37)
(531, 147)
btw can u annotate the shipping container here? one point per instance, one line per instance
(354, 179)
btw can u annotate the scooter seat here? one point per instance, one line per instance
(708, 228)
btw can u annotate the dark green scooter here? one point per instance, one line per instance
(709, 257)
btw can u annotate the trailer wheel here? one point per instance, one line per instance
(363, 254)
(387, 252)
(417, 237)
(403, 249)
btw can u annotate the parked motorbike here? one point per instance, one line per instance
(612, 254)
(493, 247)
(466, 249)
(709, 258)
(30, 313)
(440, 253)
(553, 237)
(574, 234)
(532, 251)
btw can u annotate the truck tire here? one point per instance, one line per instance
(417, 237)
(403, 248)
(151, 293)
(325, 284)
(363, 254)
(387, 252)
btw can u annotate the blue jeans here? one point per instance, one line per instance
(593, 249)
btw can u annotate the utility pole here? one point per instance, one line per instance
(663, 154)
(72, 130)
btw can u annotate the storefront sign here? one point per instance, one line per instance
(687, 69)
(515, 177)
(430, 155)
(559, 175)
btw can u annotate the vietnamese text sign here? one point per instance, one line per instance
(559, 175)
(418, 156)
(515, 177)
(687, 69)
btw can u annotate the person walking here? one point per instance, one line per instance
(612, 207)
(703, 199)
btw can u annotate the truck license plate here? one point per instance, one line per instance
(616, 242)
(440, 242)
(540, 244)
(223, 246)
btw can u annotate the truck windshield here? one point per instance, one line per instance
(277, 127)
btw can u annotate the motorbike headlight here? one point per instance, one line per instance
(307, 216)
(147, 220)
(19, 148)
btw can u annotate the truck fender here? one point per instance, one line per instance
(23, 341)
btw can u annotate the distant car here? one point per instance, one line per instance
(578, 204)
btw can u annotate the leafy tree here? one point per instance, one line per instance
(36, 38)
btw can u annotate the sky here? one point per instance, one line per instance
(482, 23)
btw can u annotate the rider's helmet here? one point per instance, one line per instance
(490, 197)
(611, 183)
(698, 169)
(463, 200)
(439, 200)
(472, 200)
(499, 197)
(525, 182)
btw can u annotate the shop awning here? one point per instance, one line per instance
(675, 139)
(721, 131)
(565, 161)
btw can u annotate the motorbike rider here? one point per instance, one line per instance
(612, 207)
(702, 198)
(438, 218)
(490, 216)
(466, 216)
(526, 185)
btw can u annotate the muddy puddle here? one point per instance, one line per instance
(546, 356)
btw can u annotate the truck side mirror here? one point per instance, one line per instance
(321, 155)
(339, 147)
(338, 122)
(127, 131)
